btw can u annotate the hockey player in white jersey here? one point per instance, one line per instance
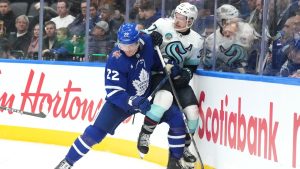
(234, 37)
(181, 51)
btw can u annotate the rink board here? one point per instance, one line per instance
(246, 121)
(71, 96)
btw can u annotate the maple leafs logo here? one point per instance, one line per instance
(142, 84)
(116, 54)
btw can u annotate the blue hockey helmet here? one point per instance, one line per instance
(128, 33)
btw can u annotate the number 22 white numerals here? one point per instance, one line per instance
(112, 74)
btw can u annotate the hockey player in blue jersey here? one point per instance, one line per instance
(127, 80)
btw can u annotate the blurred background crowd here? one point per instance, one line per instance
(243, 36)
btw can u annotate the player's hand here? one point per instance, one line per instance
(140, 104)
(156, 38)
(173, 69)
(184, 78)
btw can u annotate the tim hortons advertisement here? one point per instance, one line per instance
(70, 96)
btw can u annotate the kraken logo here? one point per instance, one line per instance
(176, 50)
(235, 53)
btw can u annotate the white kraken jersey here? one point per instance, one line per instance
(230, 50)
(185, 49)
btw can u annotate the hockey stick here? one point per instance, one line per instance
(40, 114)
(158, 87)
(178, 103)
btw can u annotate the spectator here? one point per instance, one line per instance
(209, 25)
(149, 13)
(281, 45)
(94, 16)
(62, 49)
(290, 11)
(20, 41)
(5, 49)
(7, 16)
(75, 7)
(77, 46)
(205, 13)
(251, 4)
(118, 18)
(4, 44)
(63, 19)
(100, 42)
(78, 25)
(2, 29)
(292, 65)
(50, 39)
(33, 48)
(134, 12)
(106, 14)
(49, 13)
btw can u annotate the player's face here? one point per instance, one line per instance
(180, 22)
(129, 49)
(230, 29)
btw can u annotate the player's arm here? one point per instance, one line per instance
(155, 26)
(115, 86)
(190, 65)
(116, 83)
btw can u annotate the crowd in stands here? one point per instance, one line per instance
(64, 32)
(238, 44)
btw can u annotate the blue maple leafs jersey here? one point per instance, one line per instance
(129, 76)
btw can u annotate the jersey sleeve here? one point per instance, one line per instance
(156, 26)
(116, 81)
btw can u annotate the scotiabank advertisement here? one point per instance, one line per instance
(248, 124)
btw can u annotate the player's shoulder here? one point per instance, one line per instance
(163, 20)
(195, 38)
(196, 35)
(117, 60)
(162, 23)
(145, 38)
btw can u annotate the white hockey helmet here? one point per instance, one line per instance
(226, 12)
(188, 10)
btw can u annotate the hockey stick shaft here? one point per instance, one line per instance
(179, 104)
(40, 115)
(157, 88)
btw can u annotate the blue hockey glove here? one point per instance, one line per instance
(140, 104)
(156, 38)
(173, 69)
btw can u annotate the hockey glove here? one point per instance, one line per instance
(156, 38)
(140, 104)
(184, 79)
(173, 69)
